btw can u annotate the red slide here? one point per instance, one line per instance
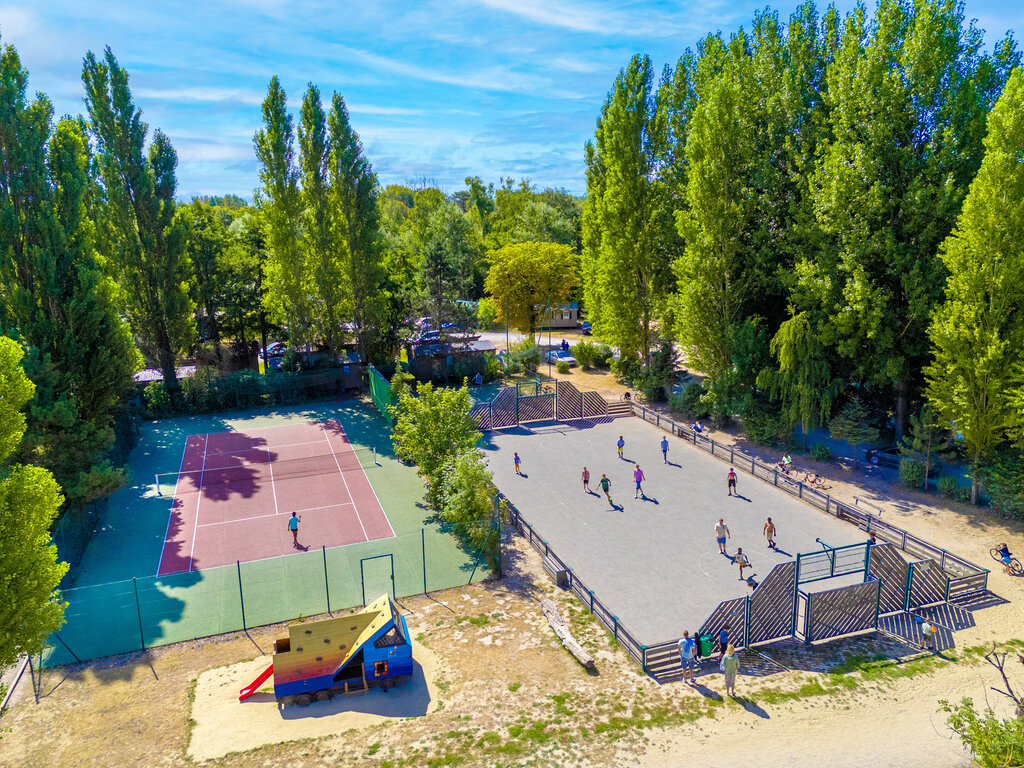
(254, 686)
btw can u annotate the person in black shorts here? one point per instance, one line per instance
(606, 486)
(732, 482)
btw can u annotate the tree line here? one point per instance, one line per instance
(818, 211)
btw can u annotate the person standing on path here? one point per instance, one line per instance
(732, 482)
(928, 633)
(606, 486)
(741, 560)
(723, 641)
(664, 449)
(730, 665)
(769, 532)
(586, 480)
(293, 526)
(515, 458)
(721, 534)
(620, 444)
(638, 476)
(687, 656)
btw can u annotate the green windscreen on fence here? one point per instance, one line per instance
(118, 617)
(380, 392)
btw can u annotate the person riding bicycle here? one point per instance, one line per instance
(1006, 556)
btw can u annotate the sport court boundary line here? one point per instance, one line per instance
(278, 514)
(199, 501)
(361, 469)
(347, 489)
(170, 512)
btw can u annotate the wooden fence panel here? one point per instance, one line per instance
(771, 605)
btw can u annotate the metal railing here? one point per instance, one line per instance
(962, 575)
(576, 585)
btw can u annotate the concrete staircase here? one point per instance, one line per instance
(617, 408)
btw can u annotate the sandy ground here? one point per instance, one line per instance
(222, 725)
(505, 693)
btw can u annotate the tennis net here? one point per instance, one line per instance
(259, 466)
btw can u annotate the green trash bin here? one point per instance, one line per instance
(706, 645)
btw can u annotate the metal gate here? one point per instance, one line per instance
(536, 408)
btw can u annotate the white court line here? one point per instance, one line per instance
(199, 501)
(174, 498)
(273, 488)
(276, 514)
(374, 492)
(262, 448)
(338, 464)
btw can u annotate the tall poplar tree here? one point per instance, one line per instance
(626, 274)
(287, 297)
(354, 197)
(54, 295)
(136, 188)
(206, 245)
(977, 331)
(907, 96)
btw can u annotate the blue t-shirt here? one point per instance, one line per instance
(687, 647)
(620, 443)
(293, 523)
(664, 444)
(723, 637)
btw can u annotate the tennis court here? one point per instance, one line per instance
(236, 490)
(197, 544)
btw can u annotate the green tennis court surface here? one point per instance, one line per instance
(118, 603)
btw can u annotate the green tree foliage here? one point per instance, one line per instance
(467, 501)
(803, 383)
(853, 424)
(432, 428)
(206, 246)
(30, 606)
(1004, 482)
(993, 742)
(521, 214)
(443, 238)
(926, 440)
(626, 274)
(978, 331)
(907, 96)
(145, 246)
(354, 194)
(54, 295)
(288, 294)
(246, 259)
(527, 278)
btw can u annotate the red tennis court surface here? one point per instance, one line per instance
(235, 492)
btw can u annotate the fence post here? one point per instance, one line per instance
(615, 622)
(904, 545)
(545, 549)
(643, 655)
(942, 562)
(241, 596)
(694, 438)
(800, 489)
(752, 468)
(732, 450)
(949, 581)
(746, 621)
(878, 601)
(908, 585)
(327, 583)
(530, 526)
(776, 471)
(808, 627)
(570, 579)
(658, 421)
(138, 611)
(591, 600)
(796, 593)
(712, 447)
(423, 546)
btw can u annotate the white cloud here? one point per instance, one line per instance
(16, 21)
(373, 109)
(581, 17)
(201, 94)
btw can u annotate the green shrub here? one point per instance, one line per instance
(157, 401)
(947, 485)
(492, 368)
(604, 356)
(912, 473)
(562, 366)
(1004, 482)
(486, 313)
(652, 388)
(527, 354)
(963, 494)
(585, 354)
(689, 402)
(764, 426)
(820, 452)
(628, 369)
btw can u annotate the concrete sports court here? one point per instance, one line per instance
(654, 562)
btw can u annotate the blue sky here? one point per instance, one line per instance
(438, 89)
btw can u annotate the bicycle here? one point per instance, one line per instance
(1014, 565)
(816, 481)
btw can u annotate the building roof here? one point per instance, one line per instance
(147, 375)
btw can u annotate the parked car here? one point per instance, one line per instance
(891, 457)
(586, 327)
(560, 356)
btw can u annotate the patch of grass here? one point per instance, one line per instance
(514, 687)
(560, 700)
(489, 739)
(373, 749)
(883, 668)
(480, 621)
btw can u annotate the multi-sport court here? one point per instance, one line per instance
(235, 492)
(197, 544)
(653, 561)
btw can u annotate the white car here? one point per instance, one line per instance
(556, 356)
